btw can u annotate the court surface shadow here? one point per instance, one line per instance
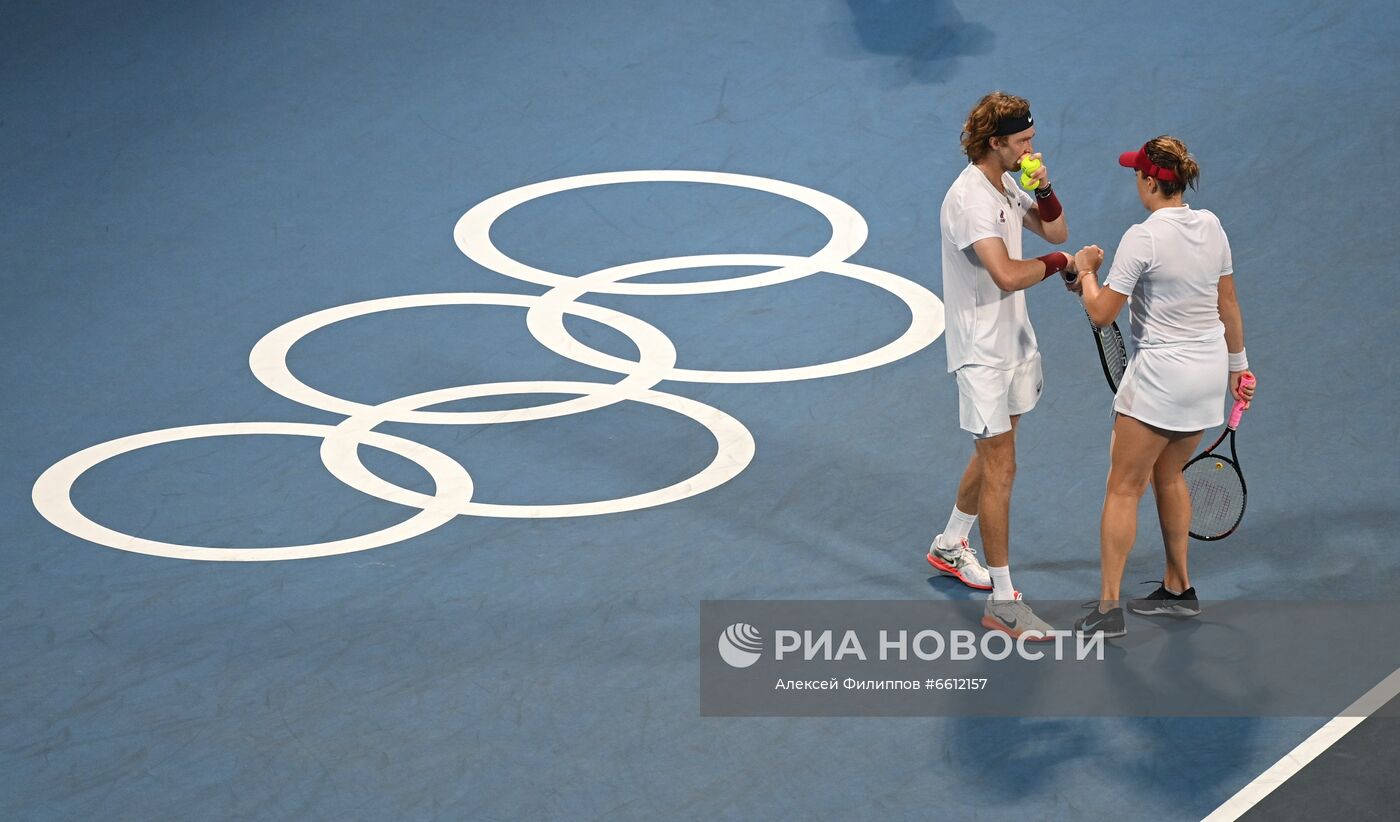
(922, 40)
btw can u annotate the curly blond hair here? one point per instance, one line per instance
(982, 121)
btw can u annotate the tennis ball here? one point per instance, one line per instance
(1029, 165)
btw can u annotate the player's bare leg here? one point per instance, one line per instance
(1174, 508)
(1133, 452)
(996, 459)
(970, 486)
(950, 552)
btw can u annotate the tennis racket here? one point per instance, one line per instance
(1113, 354)
(1216, 484)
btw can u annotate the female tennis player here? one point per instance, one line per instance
(1188, 350)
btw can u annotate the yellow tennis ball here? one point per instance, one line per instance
(1029, 165)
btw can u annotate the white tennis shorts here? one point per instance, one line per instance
(989, 397)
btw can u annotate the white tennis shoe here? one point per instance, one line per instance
(960, 562)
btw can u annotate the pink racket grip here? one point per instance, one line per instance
(1238, 410)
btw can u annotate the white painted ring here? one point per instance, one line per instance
(52, 494)
(848, 230)
(925, 322)
(268, 359)
(735, 449)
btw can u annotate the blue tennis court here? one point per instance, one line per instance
(631, 305)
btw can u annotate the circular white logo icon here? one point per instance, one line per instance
(740, 645)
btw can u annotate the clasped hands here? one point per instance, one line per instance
(1085, 261)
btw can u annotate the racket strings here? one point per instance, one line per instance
(1217, 496)
(1112, 352)
(1115, 354)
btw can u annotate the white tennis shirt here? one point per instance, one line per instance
(1171, 265)
(984, 325)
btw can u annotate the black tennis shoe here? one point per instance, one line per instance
(1096, 622)
(1162, 602)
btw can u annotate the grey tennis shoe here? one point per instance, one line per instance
(1015, 617)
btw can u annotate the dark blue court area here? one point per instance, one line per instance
(388, 384)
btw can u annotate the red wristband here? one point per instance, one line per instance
(1055, 262)
(1050, 208)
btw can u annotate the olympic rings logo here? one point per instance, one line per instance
(453, 493)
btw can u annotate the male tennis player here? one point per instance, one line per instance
(1188, 340)
(991, 345)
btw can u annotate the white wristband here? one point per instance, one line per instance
(1238, 361)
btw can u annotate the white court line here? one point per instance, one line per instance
(1308, 750)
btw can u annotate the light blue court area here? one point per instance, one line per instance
(236, 240)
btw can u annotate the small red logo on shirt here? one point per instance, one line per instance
(1001, 216)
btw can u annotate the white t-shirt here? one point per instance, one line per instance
(1171, 265)
(985, 325)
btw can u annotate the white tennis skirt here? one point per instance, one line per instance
(1178, 387)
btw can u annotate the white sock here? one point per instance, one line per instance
(959, 527)
(1001, 582)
